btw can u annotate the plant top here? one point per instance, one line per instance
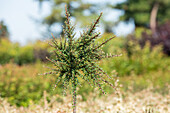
(76, 58)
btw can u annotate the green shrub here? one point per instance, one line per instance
(135, 60)
(13, 52)
(22, 86)
(8, 51)
(25, 55)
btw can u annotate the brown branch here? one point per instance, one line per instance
(104, 42)
(96, 22)
(67, 16)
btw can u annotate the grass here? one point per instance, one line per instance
(22, 86)
(139, 102)
(159, 80)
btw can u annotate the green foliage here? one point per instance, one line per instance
(13, 52)
(76, 58)
(135, 59)
(8, 51)
(4, 33)
(76, 8)
(158, 80)
(25, 55)
(22, 87)
(142, 69)
(81, 10)
(140, 11)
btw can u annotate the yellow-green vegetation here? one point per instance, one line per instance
(13, 52)
(139, 78)
(135, 59)
(21, 85)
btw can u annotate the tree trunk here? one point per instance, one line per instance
(153, 17)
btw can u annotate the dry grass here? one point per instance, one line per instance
(126, 102)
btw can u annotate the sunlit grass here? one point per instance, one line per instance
(139, 102)
(22, 86)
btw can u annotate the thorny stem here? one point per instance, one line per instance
(94, 25)
(74, 85)
(74, 98)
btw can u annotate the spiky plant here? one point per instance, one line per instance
(76, 58)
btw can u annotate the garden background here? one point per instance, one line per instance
(143, 38)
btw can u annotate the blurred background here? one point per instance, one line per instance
(142, 28)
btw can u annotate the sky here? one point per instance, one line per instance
(20, 15)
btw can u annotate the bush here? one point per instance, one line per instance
(22, 54)
(25, 55)
(41, 51)
(22, 86)
(161, 36)
(4, 33)
(136, 60)
(8, 51)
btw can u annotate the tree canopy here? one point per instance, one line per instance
(144, 12)
(3, 30)
(77, 9)
(81, 10)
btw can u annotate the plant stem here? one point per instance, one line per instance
(74, 97)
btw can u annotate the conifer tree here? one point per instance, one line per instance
(76, 58)
(4, 33)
